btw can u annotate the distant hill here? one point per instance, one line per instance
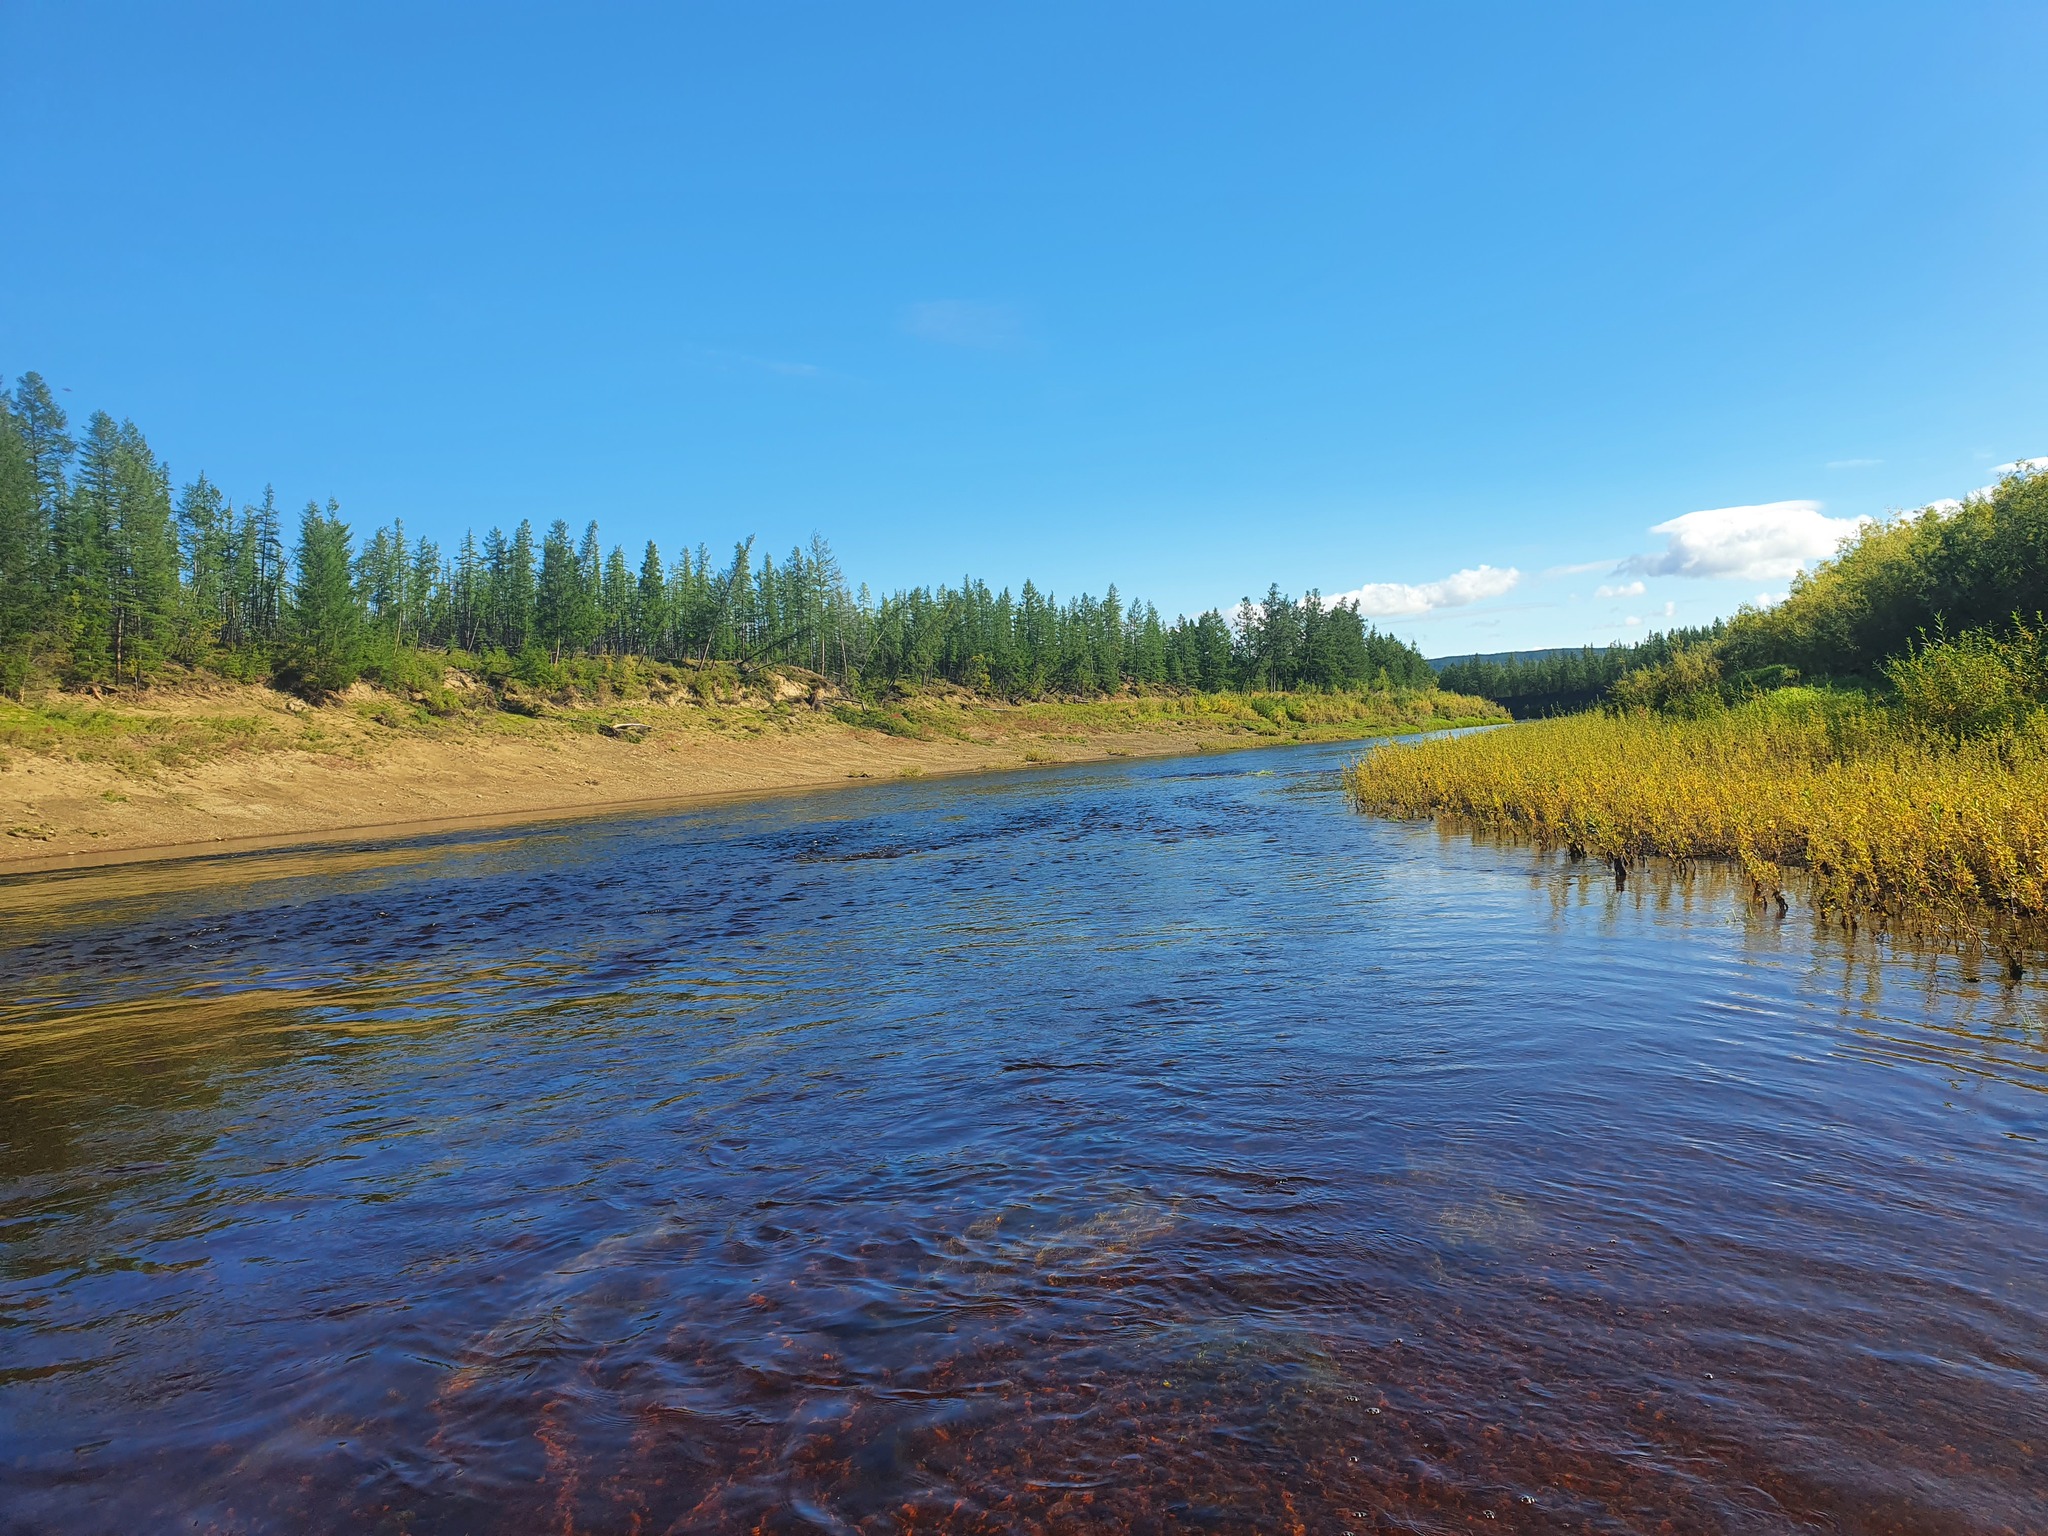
(1503, 658)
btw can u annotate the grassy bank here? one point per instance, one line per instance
(151, 731)
(1911, 784)
(1883, 814)
(209, 761)
(1255, 716)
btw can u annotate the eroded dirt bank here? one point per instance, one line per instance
(167, 773)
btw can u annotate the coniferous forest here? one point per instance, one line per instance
(1563, 681)
(112, 575)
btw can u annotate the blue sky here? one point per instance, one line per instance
(1393, 300)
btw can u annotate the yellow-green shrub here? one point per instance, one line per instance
(1881, 816)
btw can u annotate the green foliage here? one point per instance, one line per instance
(85, 731)
(1032, 645)
(1937, 571)
(419, 676)
(1978, 684)
(323, 653)
(536, 669)
(1882, 815)
(1568, 680)
(105, 583)
(1861, 618)
(888, 722)
(1688, 686)
(24, 556)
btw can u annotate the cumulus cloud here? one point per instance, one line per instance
(958, 323)
(1620, 589)
(2020, 467)
(1769, 542)
(1401, 600)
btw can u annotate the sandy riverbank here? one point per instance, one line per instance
(207, 770)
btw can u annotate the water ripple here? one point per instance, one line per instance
(1133, 1148)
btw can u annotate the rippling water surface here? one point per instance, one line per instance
(1149, 1147)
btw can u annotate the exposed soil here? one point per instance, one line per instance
(196, 769)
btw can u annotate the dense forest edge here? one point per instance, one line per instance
(1883, 730)
(1564, 681)
(176, 671)
(111, 579)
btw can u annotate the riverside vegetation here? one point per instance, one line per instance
(1884, 730)
(109, 579)
(171, 668)
(143, 734)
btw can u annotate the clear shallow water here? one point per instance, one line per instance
(1152, 1147)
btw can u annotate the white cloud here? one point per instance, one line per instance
(1949, 505)
(1400, 600)
(1670, 610)
(958, 323)
(1632, 621)
(1769, 599)
(764, 364)
(1768, 542)
(1620, 589)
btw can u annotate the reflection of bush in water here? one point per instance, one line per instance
(1912, 825)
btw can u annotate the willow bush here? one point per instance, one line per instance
(1885, 804)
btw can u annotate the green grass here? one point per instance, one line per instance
(1883, 812)
(90, 732)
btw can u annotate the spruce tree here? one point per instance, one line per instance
(650, 607)
(86, 553)
(558, 603)
(496, 622)
(426, 595)
(206, 540)
(519, 590)
(617, 628)
(465, 594)
(142, 558)
(323, 648)
(267, 593)
(45, 436)
(24, 557)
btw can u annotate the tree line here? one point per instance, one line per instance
(1942, 571)
(110, 575)
(1945, 604)
(1567, 680)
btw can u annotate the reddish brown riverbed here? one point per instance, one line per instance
(1159, 1147)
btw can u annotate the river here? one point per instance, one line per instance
(1148, 1146)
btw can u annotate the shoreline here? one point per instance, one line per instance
(106, 857)
(388, 787)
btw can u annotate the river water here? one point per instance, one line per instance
(1152, 1146)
